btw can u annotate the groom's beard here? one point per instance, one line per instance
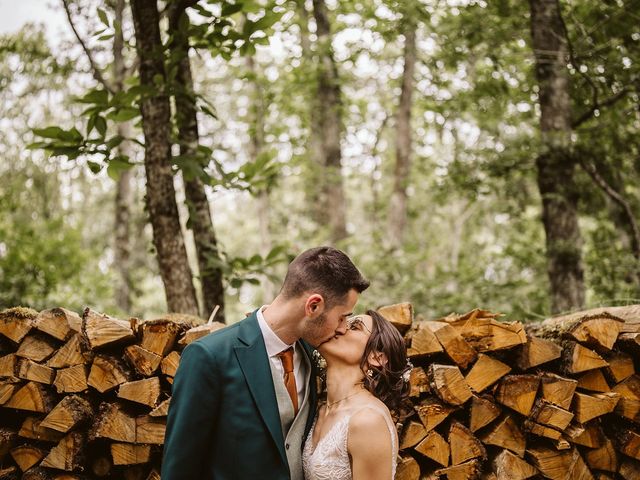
(314, 334)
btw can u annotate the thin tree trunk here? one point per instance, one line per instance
(200, 221)
(316, 163)
(256, 147)
(160, 198)
(332, 191)
(398, 205)
(556, 166)
(124, 190)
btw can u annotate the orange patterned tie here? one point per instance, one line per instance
(289, 378)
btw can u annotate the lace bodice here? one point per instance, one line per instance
(329, 460)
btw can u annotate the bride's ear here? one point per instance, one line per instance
(377, 359)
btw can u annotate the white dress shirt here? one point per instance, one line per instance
(274, 346)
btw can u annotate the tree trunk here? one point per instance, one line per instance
(555, 164)
(263, 199)
(332, 192)
(398, 207)
(124, 190)
(160, 198)
(200, 221)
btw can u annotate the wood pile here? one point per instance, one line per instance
(84, 397)
(501, 400)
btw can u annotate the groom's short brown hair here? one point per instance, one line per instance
(324, 270)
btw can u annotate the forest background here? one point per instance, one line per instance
(173, 156)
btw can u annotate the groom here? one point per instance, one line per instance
(244, 397)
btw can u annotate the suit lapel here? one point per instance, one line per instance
(253, 360)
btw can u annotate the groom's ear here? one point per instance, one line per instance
(314, 305)
(377, 359)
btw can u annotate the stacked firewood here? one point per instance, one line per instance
(496, 400)
(86, 397)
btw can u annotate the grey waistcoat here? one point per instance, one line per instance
(292, 428)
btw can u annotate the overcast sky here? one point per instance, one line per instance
(15, 13)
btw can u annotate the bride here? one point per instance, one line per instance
(353, 436)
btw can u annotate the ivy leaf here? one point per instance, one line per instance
(103, 17)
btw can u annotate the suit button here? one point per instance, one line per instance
(287, 446)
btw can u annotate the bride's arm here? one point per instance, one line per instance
(369, 444)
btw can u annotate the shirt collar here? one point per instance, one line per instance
(272, 342)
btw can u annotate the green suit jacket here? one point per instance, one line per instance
(223, 420)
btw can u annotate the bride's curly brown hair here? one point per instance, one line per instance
(388, 381)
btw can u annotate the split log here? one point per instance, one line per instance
(161, 410)
(432, 412)
(8, 439)
(169, 364)
(546, 413)
(485, 372)
(400, 315)
(594, 381)
(71, 410)
(434, 447)
(518, 392)
(541, 430)
(112, 422)
(578, 359)
(423, 342)
(506, 434)
(69, 354)
(6, 391)
(159, 336)
(412, 434)
(107, 372)
(30, 370)
(16, 323)
(128, 454)
(101, 466)
(464, 445)
(67, 455)
(483, 412)
(508, 466)
(143, 361)
(407, 469)
(58, 322)
(587, 407)
(8, 365)
(146, 392)
(453, 344)
(150, 430)
(32, 397)
(26, 456)
(489, 335)
(588, 435)
(620, 366)
(558, 390)
(563, 465)
(465, 471)
(629, 443)
(418, 381)
(537, 351)
(629, 469)
(101, 330)
(71, 379)
(32, 428)
(9, 473)
(603, 458)
(448, 383)
(200, 331)
(37, 347)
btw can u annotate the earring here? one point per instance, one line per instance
(369, 373)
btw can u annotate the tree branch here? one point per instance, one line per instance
(617, 198)
(598, 105)
(97, 74)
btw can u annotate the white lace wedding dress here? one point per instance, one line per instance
(329, 459)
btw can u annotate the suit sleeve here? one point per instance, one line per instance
(192, 416)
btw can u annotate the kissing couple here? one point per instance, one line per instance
(244, 403)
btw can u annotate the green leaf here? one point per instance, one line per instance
(49, 132)
(103, 17)
(123, 114)
(97, 96)
(229, 9)
(106, 36)
(117, 165)
(94, 167)
(101, 125)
